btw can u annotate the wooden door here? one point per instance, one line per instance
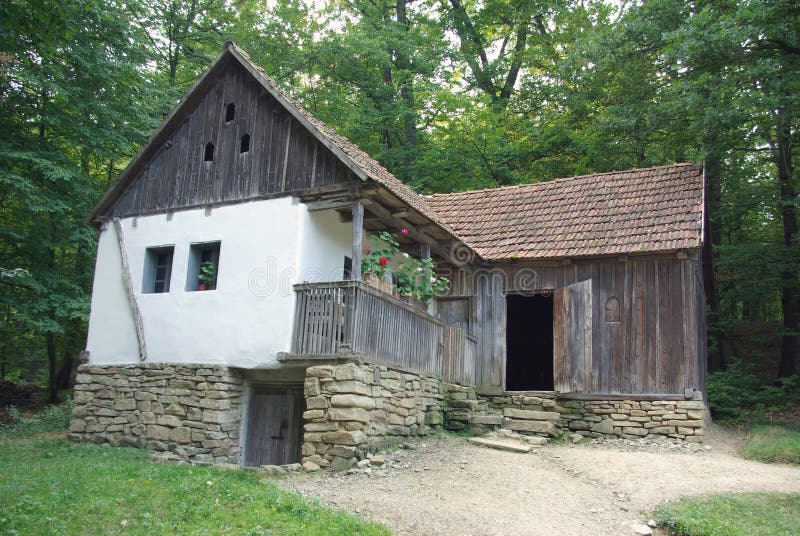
(454, 311)
(274, 425)
(572, 338)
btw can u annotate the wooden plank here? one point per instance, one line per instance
(572, 338)
(358, 239)
(132, 301)
(627, 396)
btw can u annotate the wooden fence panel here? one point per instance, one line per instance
(382, 329)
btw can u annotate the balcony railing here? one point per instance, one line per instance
(356, 318)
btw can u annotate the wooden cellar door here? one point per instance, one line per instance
(572, 338)
(274, 425)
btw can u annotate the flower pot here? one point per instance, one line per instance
(414, 302)
(378, 283)
(201, 286)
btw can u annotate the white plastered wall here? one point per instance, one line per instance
(266, 247)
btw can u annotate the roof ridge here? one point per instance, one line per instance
(564, 179)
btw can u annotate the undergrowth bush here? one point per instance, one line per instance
(737, 394)
(50, 419)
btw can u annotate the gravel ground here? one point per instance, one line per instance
(444, 485)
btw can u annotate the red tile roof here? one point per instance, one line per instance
(636, 211)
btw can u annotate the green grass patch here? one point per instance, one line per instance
(56, 487)
(772, 444)
(729, 514)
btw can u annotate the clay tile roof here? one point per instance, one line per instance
(635, 211)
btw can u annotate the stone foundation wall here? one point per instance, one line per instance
(546, 414)
(632, 419)
(189, 412)
(352, 409)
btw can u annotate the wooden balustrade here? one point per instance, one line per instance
(353, 317)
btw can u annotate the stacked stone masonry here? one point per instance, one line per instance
(352, 409)
(633, 419)
(191, 411)
(545, 414)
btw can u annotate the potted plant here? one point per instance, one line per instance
(417, 282)
(375, 262)
(207, 278)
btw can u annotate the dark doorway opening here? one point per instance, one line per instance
(529, 342)
(274, 425)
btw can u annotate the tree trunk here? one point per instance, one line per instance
(406, 85)
(790, 304)
(713, 239)
(52, 363)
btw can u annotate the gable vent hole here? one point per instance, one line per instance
(245, 146)
(208, 156)
(230, 112)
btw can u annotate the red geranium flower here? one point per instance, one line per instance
(383, 261)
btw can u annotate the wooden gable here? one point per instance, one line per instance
(198, 157)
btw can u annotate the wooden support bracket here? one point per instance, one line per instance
(126, 277)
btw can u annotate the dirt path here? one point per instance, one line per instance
(448, 486)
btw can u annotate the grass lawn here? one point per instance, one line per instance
(772, 444)
(734, 514)
(55, 487)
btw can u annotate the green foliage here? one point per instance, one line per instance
(376, 257)
(743, 514)
(772, 444)
(50, 419)
(70, 114)
(54, 487)
(737, 394)
(208, 273)
(417, 278)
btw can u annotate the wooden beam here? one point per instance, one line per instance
(384, 214)
(335, 203)
(126, 277)
(358, 239)
(400, 214)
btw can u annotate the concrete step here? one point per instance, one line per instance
(500, 445)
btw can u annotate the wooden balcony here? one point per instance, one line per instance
(350, 318)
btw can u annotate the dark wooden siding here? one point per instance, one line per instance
(283, 155)
(656, 347)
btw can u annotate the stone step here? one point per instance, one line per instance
(486, 419)
(535, 427)
(535, 440)
(531, 415)
(500, 445)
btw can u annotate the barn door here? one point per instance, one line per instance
(274, 426)
(572, 338)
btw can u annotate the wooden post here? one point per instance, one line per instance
(126, 277)
(425, 251)
(358, 238)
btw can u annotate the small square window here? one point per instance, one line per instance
(157, 270)
(203, 266)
